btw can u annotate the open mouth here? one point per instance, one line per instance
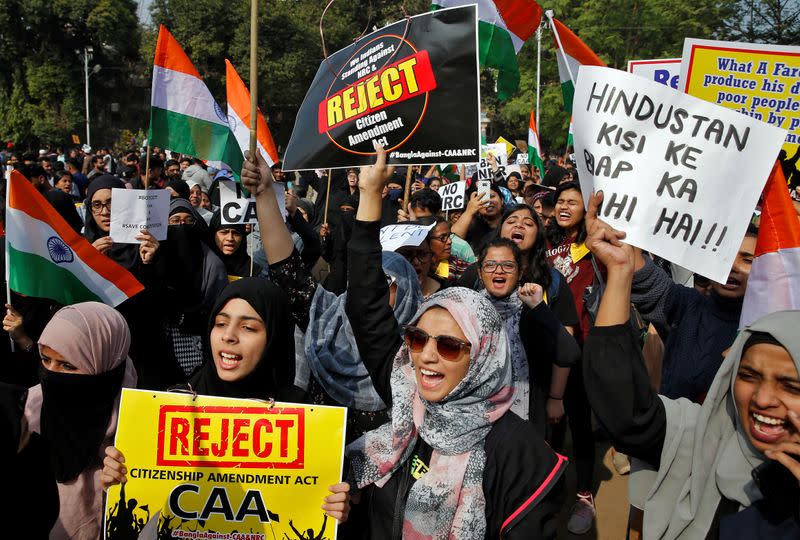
(564, 216)
(518, 237)
(732, 284)
(767, 429)
(229, 360)
(499, 282)
(430, 379)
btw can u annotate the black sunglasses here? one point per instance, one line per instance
(448, 347)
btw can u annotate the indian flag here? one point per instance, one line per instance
(503, 27)
(184, 116)
(46, 258)
(239, 117)
(774, 282)
(572, 54)
(570, 134)
(534, 147)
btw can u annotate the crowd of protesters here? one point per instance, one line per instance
(462, 360)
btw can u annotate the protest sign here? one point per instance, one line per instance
(522, 159)
(209, 465)
(236, 209)
(680, 176)
(762, 81)
(397, 236)
(137, 209)
(508, 146)
(397, 87)
(666, 71)
(453, 196)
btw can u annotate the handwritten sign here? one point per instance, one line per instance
(397, 236)
(680, 176)
(137, 209)
(453, 196)
(236, 209)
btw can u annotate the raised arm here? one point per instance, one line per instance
(615, 377)
(371, 317)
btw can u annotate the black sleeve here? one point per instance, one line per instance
(371, 317)
(563, 305)
(619, 391)
(293, 277)
(542, 332)
(310, 238)
(470, 279)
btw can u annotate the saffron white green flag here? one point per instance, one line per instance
(47, 258)
(534, 147)
(184, 116)
(572, 54)
(503, 27)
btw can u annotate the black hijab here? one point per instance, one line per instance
(126, 255)
(185, 259)
(180, 187)
(238, 262)
(65, 207)
(273, 377)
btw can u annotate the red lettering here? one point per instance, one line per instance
(240, 436)
(199, 436)
(283, 426)
(179, 431)
(261, 423)
(219, 449)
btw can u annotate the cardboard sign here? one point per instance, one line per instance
(137, 209)
(396, 92)
(236, 209)
(397, 236)
(210, 467)
(666, 71)
(762, 81)
(453, 196)
(680, 176)
(522, 159)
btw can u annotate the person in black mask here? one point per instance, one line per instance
(85, 365)
(194, 279)
(229, 243)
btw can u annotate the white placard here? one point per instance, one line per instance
(397, 236)
(680, 176)
(137, 209)
(453, 196)
(666, 71)
(522, 159)
(236, 209)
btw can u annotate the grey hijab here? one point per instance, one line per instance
(706, 454)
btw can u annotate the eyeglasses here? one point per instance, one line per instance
(97, 206)
(178, 220)
(448, 347)
(443, 238)
(492, 266)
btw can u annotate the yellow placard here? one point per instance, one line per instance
(206, 467)
(762, 81)
(509, 147)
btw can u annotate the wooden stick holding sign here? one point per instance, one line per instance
(253, 80)
(147, 166)
(327, 197)
(407, 191)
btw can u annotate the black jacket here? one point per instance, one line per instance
(521, 477)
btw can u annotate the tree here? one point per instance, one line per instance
(766, 21)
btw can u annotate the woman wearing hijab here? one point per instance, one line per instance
(194, 279)
(229, 243)
(65, 206)
(725, 469)
(85, 365)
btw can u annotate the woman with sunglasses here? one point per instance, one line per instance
(453, 461)
(542, 351)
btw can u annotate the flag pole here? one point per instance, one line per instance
(327, 198)
(407, 190)
(538, 69)
(147, 166)
(8, 270)
(253, 79)
(549, 14)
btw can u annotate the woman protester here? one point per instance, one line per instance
(729, 468)
(452, 462)
(542, 351)
(229, 243)
(480, 218)
(84, 366)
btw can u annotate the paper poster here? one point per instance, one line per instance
(396, 87)
(680, 176)
(210, 467)
(396, 236)
(453, 196)
(762, 81)
(137, 209)
(666, 71)
(236, 209)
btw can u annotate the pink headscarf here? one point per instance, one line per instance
(94, 338)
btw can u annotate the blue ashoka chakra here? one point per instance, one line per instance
(59, 251)
(220, 113)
